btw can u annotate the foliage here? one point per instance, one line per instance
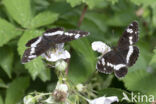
(22, 20)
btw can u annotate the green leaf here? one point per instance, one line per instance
(36, 66)
(93, 28)
(141, 63)
(83, 66)
(73, 3)
(154, 15)
(1, 100)
(20, 11)
(153, 60)
(2, 84)
(6, 60)
(98, 19)
(113, 1)
(145, 3)
(45, 74)
(141, 80)
(125, 11)
(43, 18)
(7, 32)
(16, 90)
(113, 92)
(91, 3)
(63, 7)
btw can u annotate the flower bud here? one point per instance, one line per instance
(29, 100)
(80, 87)
(62, 87)
(61, 65)
(60, 93)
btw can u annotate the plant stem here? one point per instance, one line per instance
(79, 24)
(82, 15)
(66, 71)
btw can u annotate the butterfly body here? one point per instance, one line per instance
(123, 56)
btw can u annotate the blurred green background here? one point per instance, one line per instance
(21, 20)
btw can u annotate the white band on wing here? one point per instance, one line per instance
(54, 33)
(130, 52)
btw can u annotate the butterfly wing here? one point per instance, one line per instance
(37, 47)
(53, 30)
(28, 44)
(62, 37)
(129, 36)
(110, 62)
(126, 42)
(129, 54)
(49, 39)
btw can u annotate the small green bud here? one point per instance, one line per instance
(80, 87)
(29, 100)
(61, 65)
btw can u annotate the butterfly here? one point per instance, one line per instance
(121, 57)
(49, 39)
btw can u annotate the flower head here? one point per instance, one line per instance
(56, 53)
(100, 47)
(61, 87)
(104, 100)
(80, 87)
(61, 92)
(29, 100)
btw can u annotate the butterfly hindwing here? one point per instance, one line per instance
(121, 72)
(110, 62)
(129, 36)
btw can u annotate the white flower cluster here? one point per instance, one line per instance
(80, 87)
(104, 100)
(61, 87)
(56, 53)
(100, 47)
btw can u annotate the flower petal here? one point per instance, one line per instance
(56, 54)
(100, 47)
(103, 100)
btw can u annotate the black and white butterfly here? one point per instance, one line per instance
(121, 57)
(49, 39)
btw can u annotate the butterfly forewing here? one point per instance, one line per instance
(65, 36)
(54, 30)
(28, 44)
(36, 48)
(129, 36)
(129, 54)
